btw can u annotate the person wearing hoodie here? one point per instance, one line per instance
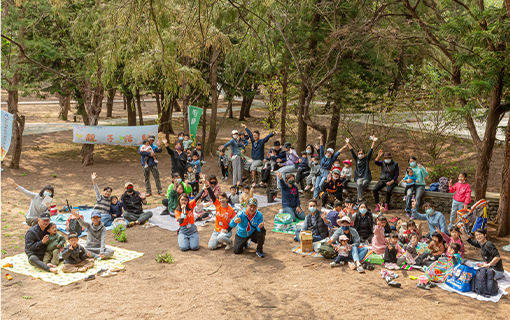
(54, 246)
(289, 166)
(96, 234)
(290, 197)
(461, 198)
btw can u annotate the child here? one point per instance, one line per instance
(199, 212)
(76, 257)
(461, 198)
(411, 249)
(146, 147)
(336, 165)
(192, 178)
(436, 247)
(96, 235)
(243, 142)
(198, 149)
(346, 173)
(116, 208)
(271, 159)
(233, 198)
(439, 270)
(302, 169)
(197, 167)
(392, 252)
(332, 186)
(411, 228)
(247, 194)
(312, 176)
(455, 238)
(343, 249)
(335, 215)
(187, 143)
(348, 209)
(55, 244)
(188, 153)
(411, 181)
(223, 163)
(379, 242)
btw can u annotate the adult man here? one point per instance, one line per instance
(388, 179)
(316, 222)
(35, 243)
(250, 226)
(103, 202)
(152, 166)
(265, 174)
(133, 201)
(237, 161)
(257, 150)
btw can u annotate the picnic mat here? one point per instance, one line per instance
(314, 254)
(169, 223)
(61, 219)
(291, 230)
(21, 266)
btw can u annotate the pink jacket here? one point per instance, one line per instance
(378, 241)
(449, 240)
(462, 192)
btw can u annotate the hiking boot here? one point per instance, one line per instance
(385, 207)
(377, 207)
(259, 254)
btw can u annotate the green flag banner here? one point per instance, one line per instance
(194, 114)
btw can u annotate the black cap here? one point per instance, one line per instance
(199, 144)
(276, 143)
(45, 216)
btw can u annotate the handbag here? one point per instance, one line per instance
(460, 278)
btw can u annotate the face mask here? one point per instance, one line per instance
(291, 182)
(47, 193)
(363, 211)
(327, 156)
(345, 228)
(181, 138)
(387, 160)
(236, 136)
(177, 147)
(429, 211)
(335, 178)
(412, 164)
(361, 156)
(312, 209)
(214, 182)
(179, 180)
(308, 151)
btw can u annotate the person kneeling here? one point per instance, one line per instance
(250, 226)
(224, 214)
(76, 257)
(316, 222)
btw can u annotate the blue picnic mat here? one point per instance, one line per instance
(61, 219)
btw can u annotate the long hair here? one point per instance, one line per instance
(49, 188)
(178, 208)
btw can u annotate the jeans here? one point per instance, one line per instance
(133, 217)
(219, 237)
(389, 188)
(409, 197)
(362, 184)
(106, 219)
(357, 254)
(36, 262)
(188, 242)
(319, 181)
(284, 170)
(155, 173)
(292, 211)
(315, 238)
(456, 206)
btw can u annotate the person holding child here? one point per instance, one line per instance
(420, 172)
(103, 202)
(36, 240)
(290, 196)
(96, 234)
(187, 143)
(461, 197)
(151, 166)
(410, 180)
(332, 186)
(37, 205)
(438, 271)
(362, 173)
(317, 222)
(54, 246)
(326, 162)
(388, 179)
(76, 258)
(357, 254)
(133, 201)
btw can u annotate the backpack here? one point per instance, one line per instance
(484, 284)
(443, 185)
(327, 251)
(434, 186)
(271, 195)
(73, 225)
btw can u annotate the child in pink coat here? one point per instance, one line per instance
(461, 198)
(454, 237)
(379, 242)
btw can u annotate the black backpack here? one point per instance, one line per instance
(484, 284)
(271, 195)
(74, 226)
(327, 251)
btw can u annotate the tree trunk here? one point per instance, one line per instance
(302, 127)
(166, 116)
(204, 123)
(185, 61)
(109, 102)
(130, 110)
(333, 128)
(504, 200)
(283, 121)
(65, 106)
(125, 102)
(18, 124)
(243, 107)
(158, 103)
(247, 107)
(215, 52)
(139, 105)
(93, 100)
(230, 111)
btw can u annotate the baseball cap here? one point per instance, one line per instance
(346, 218)
(45, 216)
(337, 203)
(330, 150)
(336, 171)
(127, 184)
(95, 213)
(276, 143)
(253, 202)
(235, 132)
(287, 145)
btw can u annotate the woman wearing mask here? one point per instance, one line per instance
(36, 205)
(290, 196)
(362, 173)
(420, 172)
(179, 158)
(237, 162)
(315, 221)
(326, 162)
(216, 188)
(175, 189)
(435, 219)
(388, 179)
(310, 152)
(363, 222)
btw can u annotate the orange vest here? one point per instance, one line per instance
(223, 216)
(190, 216)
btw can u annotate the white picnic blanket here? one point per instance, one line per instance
(169, 223)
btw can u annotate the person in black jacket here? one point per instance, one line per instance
(388, 179)
(489, 253)
(35, 243)
(316, 221)
(363, 222)
(133, 211)
(179, 158)
(76, 257)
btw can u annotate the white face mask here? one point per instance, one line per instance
(236, 136)
(361, 156)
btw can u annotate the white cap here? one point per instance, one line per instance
(330, 150)
(235, 132)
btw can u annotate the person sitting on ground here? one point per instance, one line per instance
(314, 172)
(348, 208)
(455, 238)
(151, 166)
(411, 228)
(342, 249)
(326, 162)
(116, 208)
(54, 246)
(103, 201)
(363, 222)
(290, 197)
(461, 198)
(187, 143)
(315, 221)
(388, 179)
(435, 219)
(250, 227)
(133, 201)
(247, 194)
(233, 197)
(76, 258)
(289, 166)
(173, 193)
(356, 254)
(392, 252)
(216, 188)
(302, 170)
(36, 239)
(96, 234)
(188, 233)
(331, 187)
(436, 247)
(362, 173)
(147, 148)
(334, 215)
(439, 273)
(489, 253)
(379, 242)
(224, 214)
(36, 205)
(178, 157)
(412, 249)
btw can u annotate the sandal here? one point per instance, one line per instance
(394, 284)
(423, 286)
(89, 277)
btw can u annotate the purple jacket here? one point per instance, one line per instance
(292, 158)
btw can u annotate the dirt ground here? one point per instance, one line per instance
(202, 284)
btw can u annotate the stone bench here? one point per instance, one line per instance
(272, 181)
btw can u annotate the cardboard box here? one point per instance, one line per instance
(306, 239)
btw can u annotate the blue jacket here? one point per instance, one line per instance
(246, 227)
(304, 164)
(196, 166)
(257, 147)
(435, 220)
(116, 209)
(150, 162)
(290, 196)
(234, 146)
(326, 163)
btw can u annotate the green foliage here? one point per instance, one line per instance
(24, 174)
(4, 252)
(120, 233)
(167, 258)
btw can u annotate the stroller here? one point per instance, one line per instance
(476, 218)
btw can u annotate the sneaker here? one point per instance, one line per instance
(356, 206)
(506, 248)
(313, 189)
(248, 244)
(131, 224)
(334, 264)
(307, 188)
(360, 269)
(228, 247)
(408, 214)
(405, 198)
(352, 265)
(385, 207)
(148, 194)
(260, 254)
(155, 160)
(377, 207)
(145, 166)
(161, 194)
(394, 284)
